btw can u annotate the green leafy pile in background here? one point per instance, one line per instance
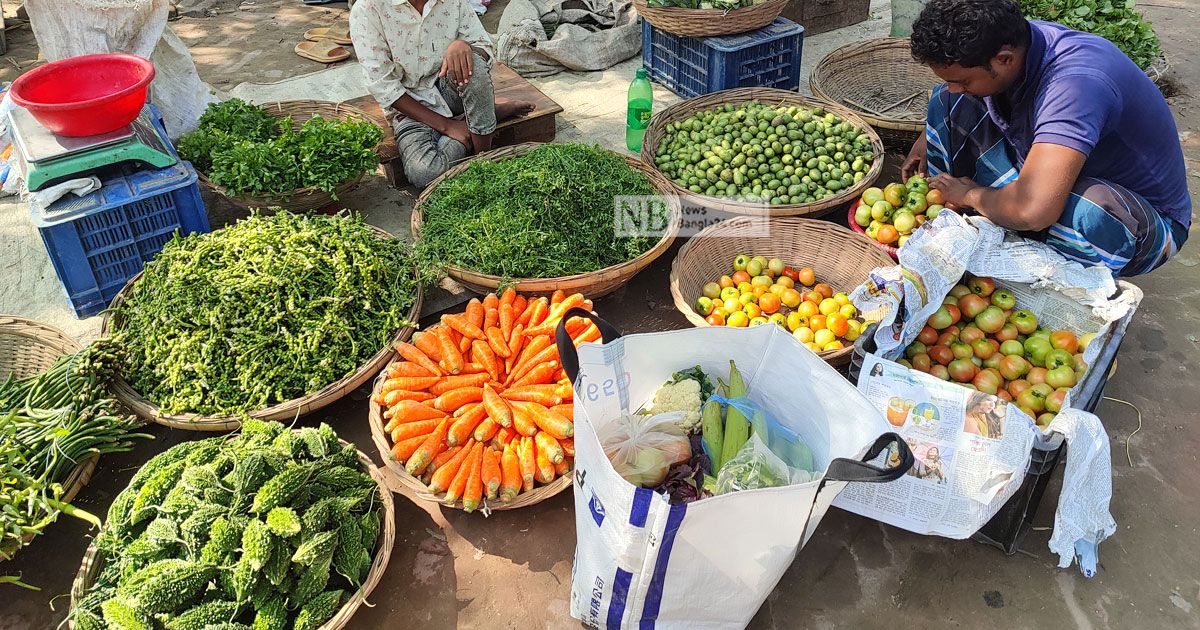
(1118, 22)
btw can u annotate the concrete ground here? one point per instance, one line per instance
(450, 569)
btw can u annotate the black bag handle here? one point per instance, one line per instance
(845, 469)
(568, 355)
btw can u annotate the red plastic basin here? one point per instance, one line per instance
(85, 95)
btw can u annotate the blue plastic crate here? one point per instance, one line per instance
(99, 241)
(691, 66)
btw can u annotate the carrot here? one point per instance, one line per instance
(564, 391)
(558, 296)
(474, 312)
(463, 326)
(473, 368)
(396, 395)
(458, 381)
(459, 484)
(510, 473)
(474, 490)
(427, 342)
(455, 398)
(503, 437)
(550, 422)
(528, 462)
(491, 301)
(486, 430)
(531, 349)
(540, 394)
(538, 312)
(428, 449)
(481, 352)
(519, 306)
(413, 429)
(515, 343)
(465, 425)
(548, 445)
(549, 352)
(447, 472)
(413, 383)
(540, 375)
(452, 360)
(408, 368)
(561, 375)
(465, 409)
(442, 458)
(507, 297)
(543, 467)
(568, 446)
(564, 410)
(555, 315)
(576, 325)
(523, 419)
(401, 451)
(562, 469)
(498, 342)
(406, 411)
(497, 408)
(592, 333)
(416, 355)
(490, 473)
(506, 320)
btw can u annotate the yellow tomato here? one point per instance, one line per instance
(745, 287)
(738, 319)
(778, 319)
(814, 347)
(828, 306)
(833, 345)
(752, 310)
(852, 332)
(729, 292)
(761, 281)
(778, 290)
(759, 321)
(823, 337)
(748, 298)
(807, 308)
(794, 320)
(759, 291)
(842, 298)
(785, 282)
(720, 310)
(848, 311)
(803, 334)
(732, 304)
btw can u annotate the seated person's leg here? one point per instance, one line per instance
(477, 100)
(1105, 224)
(425, 153)
(963, 141)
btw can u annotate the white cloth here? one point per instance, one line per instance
(401, 51)
(42, 199)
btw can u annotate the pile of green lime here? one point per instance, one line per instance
(758, 153)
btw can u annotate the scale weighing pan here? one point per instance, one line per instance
(50, 158)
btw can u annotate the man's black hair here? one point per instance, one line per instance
(967, 32)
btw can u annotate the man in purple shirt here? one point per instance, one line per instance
(1101, 171)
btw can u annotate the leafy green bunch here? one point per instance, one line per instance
(1116, 21)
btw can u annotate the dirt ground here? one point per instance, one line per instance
(450, 569)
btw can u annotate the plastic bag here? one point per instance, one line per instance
(782, 442)
(643, 448)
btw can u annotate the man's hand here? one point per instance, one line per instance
(457, 129)
(955, 190)
(457, 62)
(915, 162)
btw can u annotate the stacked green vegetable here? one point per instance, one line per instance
(264, 311)
(1117, 21)
(273, 527)
(49, 424)
(765, 154)
(247, 151)
(544, 214)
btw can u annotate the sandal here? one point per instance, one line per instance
(324, 51)
(337, 34)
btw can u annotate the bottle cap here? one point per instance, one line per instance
(641, 73)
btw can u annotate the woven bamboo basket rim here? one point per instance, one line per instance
(767, 96)
(394, 471)
(894, 252)
(852, 70)
(308, 197)
(30, 347)
(287, 410)
(710, 22)
(840, 258)
(92, 564)
(594, 284)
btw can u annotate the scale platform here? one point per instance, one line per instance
(49, 159)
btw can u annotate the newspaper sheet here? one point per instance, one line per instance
(971, 453)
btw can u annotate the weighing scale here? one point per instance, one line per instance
(48, 158)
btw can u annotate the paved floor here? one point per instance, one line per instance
(451, 569)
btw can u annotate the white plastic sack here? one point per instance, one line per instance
(642, 562)
(68, 28)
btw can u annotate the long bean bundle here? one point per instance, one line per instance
(264, 311)
(49, 423)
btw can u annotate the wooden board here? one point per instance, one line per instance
(536, 126)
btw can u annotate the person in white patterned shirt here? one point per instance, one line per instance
(428, 63)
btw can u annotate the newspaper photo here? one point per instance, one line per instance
(971, 451)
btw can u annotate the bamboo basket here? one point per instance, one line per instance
(593, 284)
(767, 96)
(394, 471)
(709, 22)
(308, 198)
(285, 411)
(27, 348)
(892, 251)
(839, 257)
(92, 564)
(881, 82)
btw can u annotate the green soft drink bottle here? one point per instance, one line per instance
(641, 100)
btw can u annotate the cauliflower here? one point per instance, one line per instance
(682, 396)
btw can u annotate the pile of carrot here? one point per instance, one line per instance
(479, 405)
